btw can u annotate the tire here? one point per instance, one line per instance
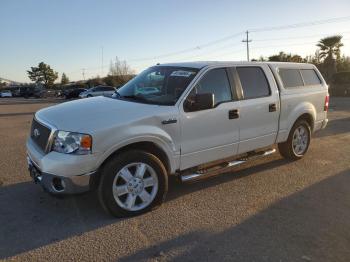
(297, 149)
(89, 96)
(116, 180)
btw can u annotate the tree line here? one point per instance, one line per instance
(119, 73)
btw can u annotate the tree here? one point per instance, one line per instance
(2, 84)
(283, 57)
(43, 74)
(95, 81)
(343, 64)
(329, 52)
(119, 73)
(330, 47)
(121, 69)
(64, 79)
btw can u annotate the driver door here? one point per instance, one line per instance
(211, 134)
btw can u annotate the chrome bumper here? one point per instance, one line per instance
(58, 184)
(324, 123)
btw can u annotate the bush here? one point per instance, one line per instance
(117, 80)
(341, 84)
(341, 78)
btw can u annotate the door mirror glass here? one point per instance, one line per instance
(199, 102)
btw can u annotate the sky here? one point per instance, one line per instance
(70, 35)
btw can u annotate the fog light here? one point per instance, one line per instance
(58, 184)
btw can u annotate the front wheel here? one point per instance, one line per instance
(132, 183)
(298, 141)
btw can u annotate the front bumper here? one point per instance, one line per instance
(55, 184)
(61, 173)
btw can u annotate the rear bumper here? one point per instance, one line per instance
(324, 123)
(320, 125)
(60, 185)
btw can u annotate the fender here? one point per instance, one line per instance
(151, 134)
(293, 115)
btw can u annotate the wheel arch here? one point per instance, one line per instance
(308, 118)
(305, 111)
(147, 146)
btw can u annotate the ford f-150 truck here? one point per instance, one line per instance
(200, 119)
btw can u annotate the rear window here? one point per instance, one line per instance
(310, 77)
(254, 82)
(291, 77)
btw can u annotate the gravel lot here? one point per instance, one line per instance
(267, 210)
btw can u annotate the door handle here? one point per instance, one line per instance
(169, 121)
(272, 107)
(233, 114)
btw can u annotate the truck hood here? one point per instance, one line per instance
(92, 114)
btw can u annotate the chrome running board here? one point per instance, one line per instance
(186, 177)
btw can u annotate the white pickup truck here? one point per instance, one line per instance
(191, 120)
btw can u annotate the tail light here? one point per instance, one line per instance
(326, 103)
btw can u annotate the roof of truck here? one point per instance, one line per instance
(201, 64)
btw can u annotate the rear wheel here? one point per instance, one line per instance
(132, 183)
(298, 141)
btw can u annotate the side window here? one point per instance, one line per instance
(215, 82)
(291, 78)
(254, 82)
(310, 77)
(108, 88)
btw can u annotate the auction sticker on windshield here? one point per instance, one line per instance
(182, 73)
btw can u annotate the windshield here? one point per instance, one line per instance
(160, 85)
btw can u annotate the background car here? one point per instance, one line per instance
(49, 93)
(73, 93)
(29, 91)
(98, 91)
(5, 93)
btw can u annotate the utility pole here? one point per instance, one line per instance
(83, 72)
(102, 61)
(247, 41)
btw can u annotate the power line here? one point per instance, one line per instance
(262, 29)
(211, 51)
(303, 24)
(212, 54)
(299, 37)
(295, 44)
(232, 36)
(189, 49)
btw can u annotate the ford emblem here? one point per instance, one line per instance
(36, 133)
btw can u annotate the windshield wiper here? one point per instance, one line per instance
(135, 98)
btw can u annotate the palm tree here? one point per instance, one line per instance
(329, 50)
(330, 47)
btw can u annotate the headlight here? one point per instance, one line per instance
(72, 143)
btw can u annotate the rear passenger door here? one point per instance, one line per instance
(259, 107)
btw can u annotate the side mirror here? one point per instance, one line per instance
(199, 102)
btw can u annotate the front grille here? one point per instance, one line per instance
(40, 134)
